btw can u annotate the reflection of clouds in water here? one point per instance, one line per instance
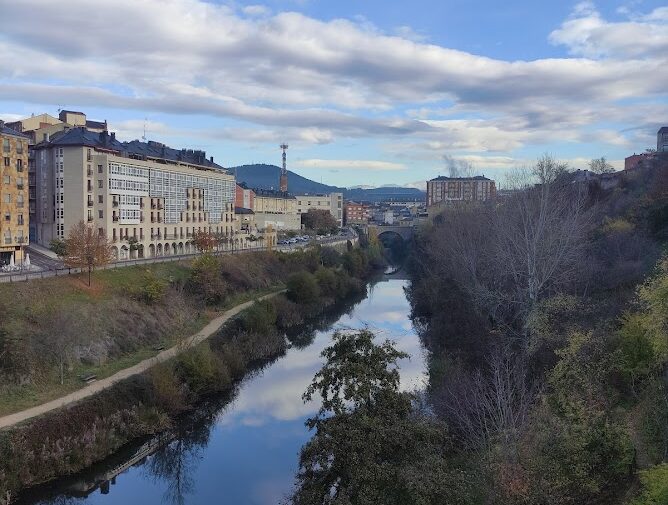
(276, 394)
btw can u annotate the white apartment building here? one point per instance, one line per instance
(333, 203)
(147, 198)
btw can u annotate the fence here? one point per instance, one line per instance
(59, 272)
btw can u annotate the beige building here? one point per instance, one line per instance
(13, 196)
(147, 198)
(277, 210)
(443, 190)
(332, 203)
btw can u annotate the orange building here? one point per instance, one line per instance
(356, 213)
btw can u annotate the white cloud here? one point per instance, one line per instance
(289, 76)
(372, 165)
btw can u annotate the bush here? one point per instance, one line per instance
(202, 370)
(327, 281)
(152, 289)
(654, 486)
(206, 280)
(303, 288)
(261, 317)
(330, 257)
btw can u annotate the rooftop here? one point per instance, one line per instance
(474, 178)
(105, 141)
(273, 193)
(6, 130)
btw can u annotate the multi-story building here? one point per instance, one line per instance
(662, 140)
(356, 213)
(147, 198)
(332, 203)
(459, 189)
(13, 195)
(244, 197)
(276, 209)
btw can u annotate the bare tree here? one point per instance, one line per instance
(601, 166)
(204, 241)
(87, 247)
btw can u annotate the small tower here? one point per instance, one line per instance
(283, 184)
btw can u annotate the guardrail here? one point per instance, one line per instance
(59, 272)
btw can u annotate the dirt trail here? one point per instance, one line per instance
(212, 327)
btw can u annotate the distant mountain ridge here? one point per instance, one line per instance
(265, 176)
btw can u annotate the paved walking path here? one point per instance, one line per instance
(142, 366)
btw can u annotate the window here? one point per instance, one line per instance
(8, 216)
(100, 214)
(99, 169)
(6, 179)
(7, 198)
(100, 199)
(100, 184)
(19, 147)
(5, 145)
(19, 165)
(7, 161)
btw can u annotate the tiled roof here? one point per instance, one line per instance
(107, 141)
(6, 130)
(96, 124)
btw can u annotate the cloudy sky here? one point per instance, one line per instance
(365, 92)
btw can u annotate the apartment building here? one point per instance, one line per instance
(276, 209)
(332, 203)
(13, 196)
(357, 213)
(147, 198)
(245, 198)
(443, 190)
(662, 140)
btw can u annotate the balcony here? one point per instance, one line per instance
(20, 222)
(156, 236)
(90, 219)
(19, 186)
(89, 172)
(21, 240)
(19, 205)
(90, 203)
(115, 219)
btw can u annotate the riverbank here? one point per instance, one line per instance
(99, 385)
(68, 440)
(244, 446)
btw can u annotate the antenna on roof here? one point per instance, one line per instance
(143, 137)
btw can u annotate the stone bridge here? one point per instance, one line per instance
(405, 232)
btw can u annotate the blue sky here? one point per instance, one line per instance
(365, 92)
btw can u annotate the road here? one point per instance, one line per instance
(102, 384)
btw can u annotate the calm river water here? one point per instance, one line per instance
(245, 450)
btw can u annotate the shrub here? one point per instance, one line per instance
(261, 317)
(152, 288)
(327, 281)
(202, 370)
(206, 280)
(303, 288)
(330, 257)
(654, 486)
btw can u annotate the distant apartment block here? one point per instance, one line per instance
(662, 140)
(147, 198)
(443, 189)
(13, 195)
(276, 209)
(332, 203)
(357, 213)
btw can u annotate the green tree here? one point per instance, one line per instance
(320, 221)
(369, 446)
(303, 288)
(58, 246)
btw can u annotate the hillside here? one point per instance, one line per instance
(266, 177)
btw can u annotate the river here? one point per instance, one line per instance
(245, 449)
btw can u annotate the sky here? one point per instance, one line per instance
(365, 92)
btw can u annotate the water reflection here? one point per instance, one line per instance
(245, 451)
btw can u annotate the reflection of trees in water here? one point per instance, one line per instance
(305, 334)
(176, 463)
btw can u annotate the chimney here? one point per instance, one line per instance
(211, 159)
(113, 134)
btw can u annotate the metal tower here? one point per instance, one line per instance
(284, 171)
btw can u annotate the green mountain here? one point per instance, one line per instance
(266, 177)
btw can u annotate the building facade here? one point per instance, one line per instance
(356, 213)
(244, 197)
(332, 203)
(662, 140)
(459, 189)
(147, 198)
(276, 209)
(13, 196)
